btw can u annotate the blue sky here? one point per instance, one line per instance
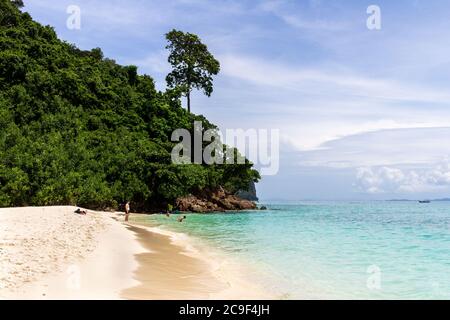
(363, 114)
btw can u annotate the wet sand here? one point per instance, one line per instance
(166, 272)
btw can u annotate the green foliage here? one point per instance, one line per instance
(17, 3)
(193, 65)
(79, 129)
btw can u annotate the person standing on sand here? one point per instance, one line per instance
(127, 210)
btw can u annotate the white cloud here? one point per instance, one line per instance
(294, 19)
(396, 180)
(316, 138)
(105, 15)
(325, 81)
(394, 147)
(316, 105)
(439, 176)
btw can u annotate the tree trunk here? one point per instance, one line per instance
(188, 96)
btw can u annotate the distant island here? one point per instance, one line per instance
(431, 200)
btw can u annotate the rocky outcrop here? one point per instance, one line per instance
(218, 200)
(249, 194)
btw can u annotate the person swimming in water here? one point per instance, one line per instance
(180, 219)
(169, 210)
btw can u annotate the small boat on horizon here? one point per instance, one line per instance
(424, 201)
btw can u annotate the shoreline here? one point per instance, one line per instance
(53, 253)
(190, 273)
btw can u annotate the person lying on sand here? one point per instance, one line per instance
(82, 212)
(180, 219)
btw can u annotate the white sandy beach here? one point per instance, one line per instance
(53, 253)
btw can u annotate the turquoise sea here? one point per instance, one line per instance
(335, 250)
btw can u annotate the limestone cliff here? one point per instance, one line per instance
(249, 194)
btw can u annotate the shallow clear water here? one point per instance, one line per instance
(375, 250)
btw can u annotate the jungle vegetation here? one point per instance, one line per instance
(77, 128)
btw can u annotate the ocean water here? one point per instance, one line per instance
(335, 250)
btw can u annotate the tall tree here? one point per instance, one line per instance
(193, 65)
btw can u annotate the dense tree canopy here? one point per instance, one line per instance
(77, 128)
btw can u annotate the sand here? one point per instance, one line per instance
(53, 253)
(172, 269)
